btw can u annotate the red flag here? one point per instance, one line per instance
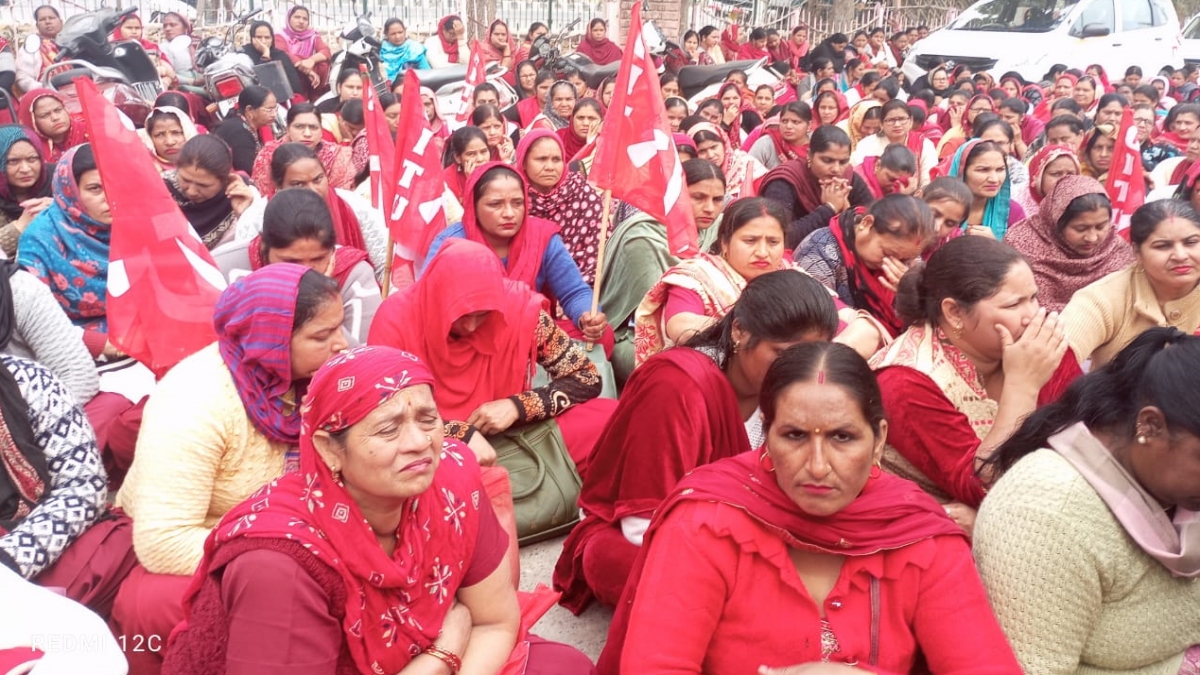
(381, 159)
(416, 215)
(1125, 185)
(162, 283)
(635, 156)
(475, 76)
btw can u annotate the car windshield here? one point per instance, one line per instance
(1015, 16)
(1192, 32)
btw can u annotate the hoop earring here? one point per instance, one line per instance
(876, 470)
(765, 462)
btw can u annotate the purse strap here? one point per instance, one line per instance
(876, 611)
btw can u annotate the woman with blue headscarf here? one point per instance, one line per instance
(399, 52)
(24, 183)
(983, 166)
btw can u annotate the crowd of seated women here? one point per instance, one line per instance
(917, 406)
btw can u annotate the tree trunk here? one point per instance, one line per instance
(478, 13)
(842, 16)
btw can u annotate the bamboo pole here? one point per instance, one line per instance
(386, 288)
(605, 221)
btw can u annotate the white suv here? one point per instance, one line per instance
(1029, 36)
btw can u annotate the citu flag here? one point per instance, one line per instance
(1124, 185)
(381, 161)
(635, 155)
(162, 283)
(416, 214)
(476, 76)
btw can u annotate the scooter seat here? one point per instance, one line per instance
(694, 78)
(594, 74)
(67, 78)
(439, 77)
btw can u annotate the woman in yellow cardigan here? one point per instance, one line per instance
(1160, 289)
(220, 425)
(1089, 545)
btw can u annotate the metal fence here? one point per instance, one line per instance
(785, 15)
(420, 17)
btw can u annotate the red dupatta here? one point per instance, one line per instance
(528, 245)
(389, 608)
(76, 134)
(489, 364)
(448, 47)
(868, 291)
(571, 142)
(890, 513)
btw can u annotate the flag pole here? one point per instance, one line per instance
(386, 289)
(605, 221)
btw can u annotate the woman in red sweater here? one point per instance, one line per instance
(804, 553)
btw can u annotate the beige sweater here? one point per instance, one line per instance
(197, 457)
(1105, 316)
(1072, 591)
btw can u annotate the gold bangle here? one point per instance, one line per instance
(445, 656)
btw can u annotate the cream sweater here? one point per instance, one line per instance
(197, 457)
(1103, 317)
(1072, 591)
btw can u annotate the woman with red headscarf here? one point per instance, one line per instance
(45, 111)
(829, 108)
(131, 30)
(292, 577)
(596, 45)
(530, 249)
(482, 332)
(220, 424)
(307, 50)
(448, 46)
(1048, 166)
(499, 48)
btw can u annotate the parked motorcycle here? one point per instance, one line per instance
(362, 50)
(123, 71)
(228, 71)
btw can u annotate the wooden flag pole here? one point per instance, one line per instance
(605, 220)
(386, 288)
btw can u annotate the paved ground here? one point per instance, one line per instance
(586, 632)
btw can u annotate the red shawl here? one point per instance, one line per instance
(1174, 139)
(571, 142)
(1042, 159)
(781, 52)
(890, 513)
(730, 43)
(601, 52)
(866, 171)
(490, 364)
(678, 412)
(786, 151)
(448, 47)
(842, 106)
(390, 608)
(868, 291)
(528, 245)
(76, 135)
(1057, 268)
(147, 45)
(747, 51)
(528, 109)
(345, 259)
(1182, 170)
(488, 51)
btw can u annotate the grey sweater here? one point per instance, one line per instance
(45, 334)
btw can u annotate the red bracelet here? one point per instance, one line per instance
(445, 656)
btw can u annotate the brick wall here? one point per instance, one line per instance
(667, 14)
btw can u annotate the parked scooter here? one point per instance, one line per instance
(123, 71)
(363, 49)
(227, 71)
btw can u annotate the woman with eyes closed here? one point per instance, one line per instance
(1071, 242)
(861, 572)
(205, 187)
(865, 252)
(816, 189)
(1159, 290)
(220, 425)
(979, 355)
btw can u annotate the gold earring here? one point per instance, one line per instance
(958, 328)
(737, 345)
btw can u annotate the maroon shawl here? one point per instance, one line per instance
(799, 176)
(678, 411)
(602, 52)
(1057, 268)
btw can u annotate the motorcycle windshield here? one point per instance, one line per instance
(132, 60)
(88, 24)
